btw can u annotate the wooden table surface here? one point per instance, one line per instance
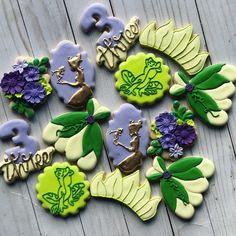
(34, 27)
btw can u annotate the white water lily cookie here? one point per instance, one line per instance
(208, 92)
(182, 182)
(78, 134)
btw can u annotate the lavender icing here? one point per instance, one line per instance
(60, 58)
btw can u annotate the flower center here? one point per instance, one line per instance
(90, 119)
(166, 175)
(189, 88)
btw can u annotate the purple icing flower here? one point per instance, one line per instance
(185, 134)
(167, 141)
(34, 93)
(12, 83)
(20, 66)
(176, 151)
(31, 73)
(90, 119)
(189, 88)
(166, 122)
(166, 175)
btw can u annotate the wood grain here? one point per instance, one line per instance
(29, 27)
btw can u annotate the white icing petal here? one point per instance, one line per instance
(157, 166)
(88, 162)
(101, 109)
(219, 118)
(95, 104)
(206, 167)
(196, 186)
(195, 198)
(74, 147)
(151, 171)
(224, 91)
(174, 88)
(60, 144)
(229, 71)
(184, 211)
(178, 80)
(50, 133)
(224, 104)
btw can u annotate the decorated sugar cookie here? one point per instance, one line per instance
(19, 161)
(72, 74)
(172, 132)
(142, 79)
(27, 85)
(179, 44)
(128, 190)
(208, 92)
(116, 39)
(62, 189)
(127, 138)
(182, 182)
(78, 134)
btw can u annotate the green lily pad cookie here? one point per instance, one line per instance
(62, 189)
(142, 79)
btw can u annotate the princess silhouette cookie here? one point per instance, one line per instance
(127, 138)
(62, 189)
(142, 79)
(72, 74)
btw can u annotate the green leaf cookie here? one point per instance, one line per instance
(208, 92)
(182, 182)
(142, 79)
(78, 134)
(62, 189)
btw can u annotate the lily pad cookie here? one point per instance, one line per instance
(172, 132)
(72, 74)
(127, 138)
(208, 92)
(142, 79)
(27, 85)
(62, 189)
(182, 182)
(78, 134)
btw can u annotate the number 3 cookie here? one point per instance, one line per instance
(142, 79)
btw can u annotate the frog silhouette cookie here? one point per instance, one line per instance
(67, 190)
(127, 138)
(142, 79)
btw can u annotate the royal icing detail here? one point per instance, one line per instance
(72, 74)
(182, 182)
(128, 190)
(13, 169)
(116, 39)
(127, 138)
(142, 79)
(179, 44)
(27, 85)
(172, 132)
(78, 134)
(208, 92)
(96, 16)
(111, 57)
(62, 189)
(18, 131)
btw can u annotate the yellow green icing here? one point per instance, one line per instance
(179, 44)
(62, 189)
(142, 79)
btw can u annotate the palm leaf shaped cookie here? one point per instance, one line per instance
(208, 92)
(127, 190)
(179, 44)
(182, 182)
(78, 134)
